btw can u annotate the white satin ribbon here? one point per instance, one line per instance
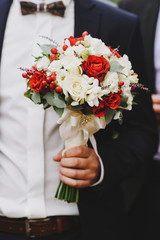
(76, 128)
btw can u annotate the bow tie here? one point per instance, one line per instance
(56, 8)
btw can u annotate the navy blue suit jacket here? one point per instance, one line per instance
(103, 209)
(148, 12)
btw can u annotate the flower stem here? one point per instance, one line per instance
(67, 193)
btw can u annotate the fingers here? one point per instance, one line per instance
(156, 108)
(74, 162)
(79, 166)
(74, 182)
(58, 157)
(80, 151)
(156, 98)
(79, 172)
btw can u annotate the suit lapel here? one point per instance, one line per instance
(86, 18)
(4, 9)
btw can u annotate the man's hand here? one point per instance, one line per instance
(156, 106)
(79, 166)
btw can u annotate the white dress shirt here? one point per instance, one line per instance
(157, 67)
(29, 136)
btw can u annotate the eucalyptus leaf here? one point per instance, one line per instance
(109, 115)
(115, 66)
(28, 94)
(59, 101)
(59, 111)
(54, 99)
(46, 48)
(36, 98)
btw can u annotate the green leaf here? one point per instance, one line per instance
(28, 94)
(69, 100)
(77, 108)
(36, 98)
(59, 111)
(54, 99)
(109, 115)
(123, 102)
(115, 66)
(46, 48)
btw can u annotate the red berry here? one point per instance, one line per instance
(52, 85)
(121, 83)
(53, 57)
(24, 75)
(133, 88)
(53, 76)
(65, 47)
(58, 89)
(119, 90)
(34, 67)
(85, 33)
(29, 72)
(44, 83)
(54, 50)
(48, 79)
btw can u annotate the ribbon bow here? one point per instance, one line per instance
(55, 8)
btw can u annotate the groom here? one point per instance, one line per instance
(30, 138)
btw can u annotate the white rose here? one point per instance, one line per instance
(97, 47)
(111, 81)
(55, 66)
(76, 87)
(71, 61)
(43, 63)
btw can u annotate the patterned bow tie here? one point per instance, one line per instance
(56, 8)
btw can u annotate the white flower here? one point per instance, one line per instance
(133, 78)
(126, 92)
(61, 76)
(70, 61)
(111, 81)
(97, 47)
(118, 115)
(95, 92)
(74, 50)
(124, 61)
(55, 66)
(75, 86)
(43, 63)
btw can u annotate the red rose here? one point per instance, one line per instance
(96, 67)
(99, 111)
(38, 82)
(112, 101)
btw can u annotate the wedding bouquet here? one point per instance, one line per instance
(87, 83)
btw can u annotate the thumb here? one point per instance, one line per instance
(58, 157)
